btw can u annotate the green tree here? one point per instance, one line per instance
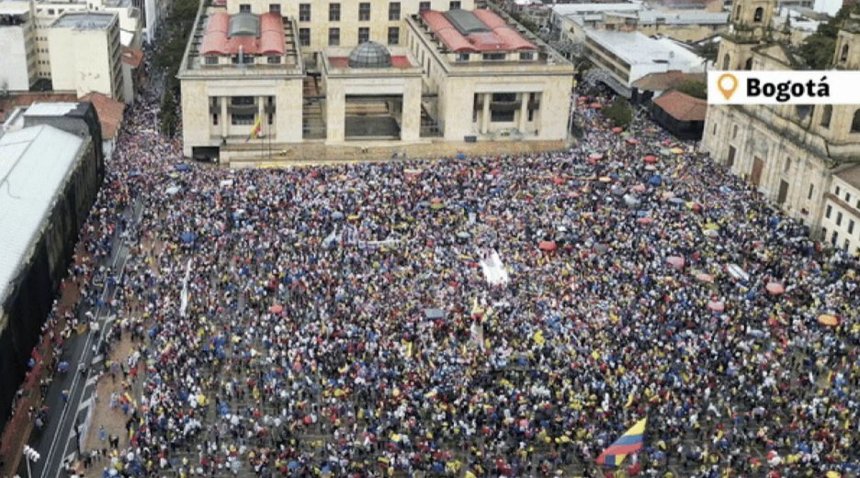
(619, 112)
(694, 88)
(817, 49)
(168, 113)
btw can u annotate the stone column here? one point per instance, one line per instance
(261, 111)
(225, 120)
(524, 112)
(485, 116)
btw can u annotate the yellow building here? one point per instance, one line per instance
(85, 52)
(790, 153)
(255, 87)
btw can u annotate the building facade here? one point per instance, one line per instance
(18, 44)
(85, 52)
(389, 74)
(790, 153)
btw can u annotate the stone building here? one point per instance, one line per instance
(790, 153)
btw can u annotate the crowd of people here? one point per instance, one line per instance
(336, 321)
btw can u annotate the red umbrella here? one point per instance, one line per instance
(650, 159)
(632, 141)
(645, 220)
(547, 246)
(617, 129)
(675, 261)
(716, 306)
(276, 309)
(558, 180)
(775, 288)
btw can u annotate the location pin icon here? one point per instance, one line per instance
(727, 84)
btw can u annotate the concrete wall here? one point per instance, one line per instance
(338, 88)
(86, 60)
(14, 69)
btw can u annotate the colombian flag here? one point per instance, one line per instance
(630, 442)
(256, 130)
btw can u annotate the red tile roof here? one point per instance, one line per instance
(397, 61)
(662, 81)
(109, 111)
(132, 56)
(501, 36)
(216, 40)
(682, 107)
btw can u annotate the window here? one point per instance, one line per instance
(802, 111)
(848, 197)
(50, 11)
(211, 60)
(837, 191)
(748, 64)
(851, 226)
(394, 11)
(241, 100)
(501, 116)
(734, 131)
(787, 165)
(462, 57)
(834, 237)
(843, 57)
(245, 8)
(241, 119)
(855, 123)
(275, 8)
(305, 36)
(334, 13)
(363, 34)
(811, 190)
(714, 130)
(393, 35)
(364, 11)
(828, 211)
(305, 12)
(758, 15)
(494, 56)
(455, 5)
(215, 119)
(422, 6)
(273, 60)
(242, 59)
(333, 36)
(826, 114)
(527, 55)
(730, 161)
(838, 218)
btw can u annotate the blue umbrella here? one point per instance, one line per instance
(337, 215)
(183, 167)
(656, 180)
(188, 237)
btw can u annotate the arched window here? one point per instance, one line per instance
(844, 55)
(748, 64)
(726, 62)
(826, 114)
(758, 15)
(855, 124)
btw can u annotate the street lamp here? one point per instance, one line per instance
(30, 455)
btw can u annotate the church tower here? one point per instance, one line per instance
(841, 123)
(750, 25)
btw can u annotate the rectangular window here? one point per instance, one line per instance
(527, 56)
(245, 8)
(241, 100)
(239, 120)
(363, 11)
(273, 60)
(851, 226)
(50, 11)
(394, 11)
(393, 35)
(838, 190)
(305, 36)
(363, 34)
(494, 56)
(730, 161)
(811, 190)
(333, 36)
(305, 12)
(714, 131)
(834, 237)
(501, 116)
(455, 5)
(334, 13)
(215, 119)
(829, 210)
(463, 57)
(275, 8)
(423, 6)
(848, 198)
(838, 218)
(211, 60)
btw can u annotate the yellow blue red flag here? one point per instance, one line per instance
(630, 442)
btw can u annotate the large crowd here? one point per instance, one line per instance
(336, 321)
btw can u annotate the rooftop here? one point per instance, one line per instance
(477, 31)
(662, 81)
(637, 48)
(684, 17)
(34, 163)
(682, 107)
(13, 7)
(110, 113)
(85, 20)
(574, 8)
(850, 175)
(243, 32)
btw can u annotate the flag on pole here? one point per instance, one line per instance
(255, 131)
(630, 442)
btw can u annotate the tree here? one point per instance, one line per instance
(168, 113)
(619, 112)
(708, 50)
(694, 88)
(817, 49)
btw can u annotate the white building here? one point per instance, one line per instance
(840, 225)
(18, 57)
(85, 52)
(628, 56)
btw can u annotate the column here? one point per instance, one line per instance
(261, 112)
(225, 120)
(524, 112)
(485, 116)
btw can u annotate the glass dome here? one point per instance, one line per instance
(370, 55)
